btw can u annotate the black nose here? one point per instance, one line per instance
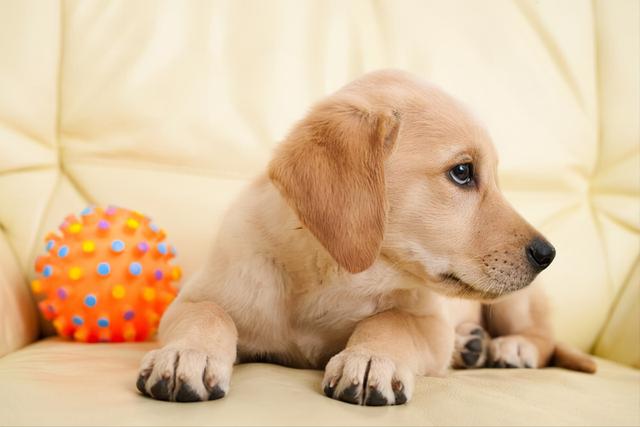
(540, 253)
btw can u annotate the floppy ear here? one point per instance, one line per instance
(330, 171)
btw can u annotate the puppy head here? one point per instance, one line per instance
(390, 166)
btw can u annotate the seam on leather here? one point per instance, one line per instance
(30, 168)
(615, 303)
(555, 55)
(61, 22)
(84, 194)
(611, 287)
(178, 170)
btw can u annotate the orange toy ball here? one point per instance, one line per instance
(107, 278)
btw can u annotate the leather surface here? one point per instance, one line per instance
(59, 383)
(170, 107)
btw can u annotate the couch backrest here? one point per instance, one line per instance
(170, 107)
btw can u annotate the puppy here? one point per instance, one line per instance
(371, 248)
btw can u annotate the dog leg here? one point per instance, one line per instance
(384, 354)
(522, 333)
(197, 358)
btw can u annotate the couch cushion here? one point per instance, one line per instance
(167, 107)
(63, 383)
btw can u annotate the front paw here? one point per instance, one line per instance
(512, 351)
(362, 377)
(471, 347)
(183, 375)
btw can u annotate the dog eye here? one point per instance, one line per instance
(462, 174)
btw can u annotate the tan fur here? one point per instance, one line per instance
(569, 358)
(358, 254)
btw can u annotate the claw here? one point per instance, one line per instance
(187, 394)
(141, 384)
(375, 398)
(216, 393)
(351, 394)
(398, 392)
(160, 390)
(328, 390)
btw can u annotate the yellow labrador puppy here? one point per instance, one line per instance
(368, 249)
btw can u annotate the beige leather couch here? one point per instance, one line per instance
(169, 107)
